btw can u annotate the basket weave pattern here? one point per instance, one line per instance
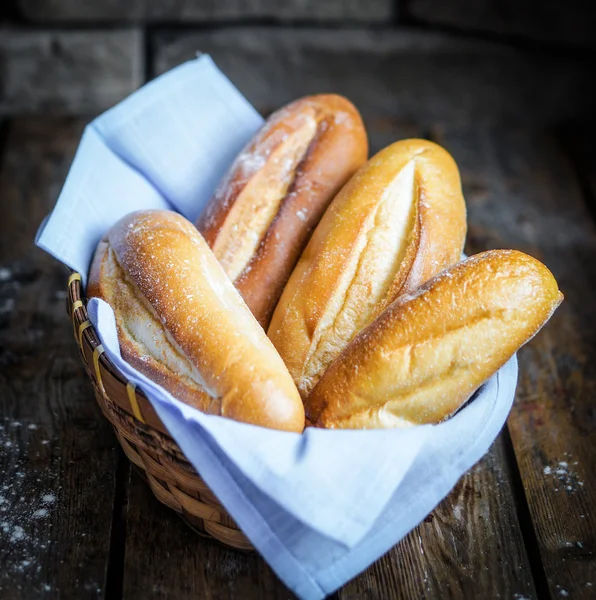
(143, 437)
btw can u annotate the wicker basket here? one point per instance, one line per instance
(143, 437)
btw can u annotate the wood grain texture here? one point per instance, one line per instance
(470, 546)
(522, 193)
(164, 558)
(407, 75)
(57, 454)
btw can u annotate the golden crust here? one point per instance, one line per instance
(181, 322)
(422, 358)
(400, 220)
(263, 212)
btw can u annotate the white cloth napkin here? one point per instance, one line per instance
(165, 146)
(320, 507)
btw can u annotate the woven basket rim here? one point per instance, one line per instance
(143, 437)
(86, 330)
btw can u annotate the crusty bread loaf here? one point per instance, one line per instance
(422, 358)
(400, 220)
(182, 323)
(275, 192)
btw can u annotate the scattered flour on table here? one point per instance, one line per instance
(17, 533)
(564, 476)
(26, 503)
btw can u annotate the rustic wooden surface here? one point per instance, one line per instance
(527, 196)
(57, 457)
(518, 525)
(183, 565)
(469, 547)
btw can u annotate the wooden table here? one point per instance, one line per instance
(75, 522)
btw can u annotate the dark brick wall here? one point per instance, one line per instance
(68, 72)
(200, 11)
(571, 22)
(489, 59)
(414, 75)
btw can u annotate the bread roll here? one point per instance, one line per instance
(428, 352)
(181, 322)
(275, 192)
(400, 220)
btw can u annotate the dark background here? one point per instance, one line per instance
(415, 61)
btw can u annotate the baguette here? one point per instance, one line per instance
(400, 220)
(181, 322)
(428, 352)
(261, 216)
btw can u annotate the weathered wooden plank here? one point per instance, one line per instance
(470, 546)
(370, 11)
(523, 193)
(57, 455)
(166, 559)
(571, 22)
(403, 75)
(68, 72)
